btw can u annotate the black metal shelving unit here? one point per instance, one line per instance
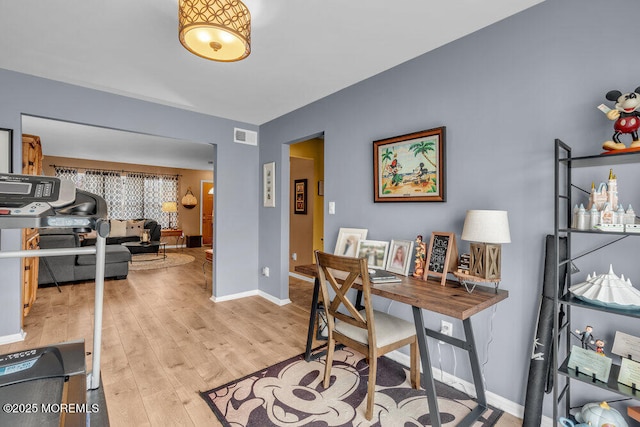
(564, 163)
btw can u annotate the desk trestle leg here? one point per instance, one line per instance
(427, 375)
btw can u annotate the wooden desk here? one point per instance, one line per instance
(452, 300)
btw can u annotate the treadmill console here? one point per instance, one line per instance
(33, 201)
(24, 190)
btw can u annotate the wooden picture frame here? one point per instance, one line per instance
(300, 196)
(442, 256)
(269, 185)
(6, 152)
(400, 257)
(410, 168)
(348, 239)
(375, 251)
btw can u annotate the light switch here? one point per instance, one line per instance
(332, 208)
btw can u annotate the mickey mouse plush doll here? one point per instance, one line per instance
(627, 117)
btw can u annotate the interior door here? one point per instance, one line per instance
(207, 213)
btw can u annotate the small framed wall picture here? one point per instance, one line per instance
(300, 196)
(269, 185)
(400, 253)
(5, 150)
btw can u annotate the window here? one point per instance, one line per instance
(129, 195)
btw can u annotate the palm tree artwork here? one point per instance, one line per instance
(410, 167)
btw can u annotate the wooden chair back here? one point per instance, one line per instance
(341, 273)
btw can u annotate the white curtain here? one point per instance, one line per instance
(129, 195)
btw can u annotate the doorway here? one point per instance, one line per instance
(206, 215)
(306, 226)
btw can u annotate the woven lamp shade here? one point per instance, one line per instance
(189, 201)
(219, 30)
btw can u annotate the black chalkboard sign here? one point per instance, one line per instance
(442, 255)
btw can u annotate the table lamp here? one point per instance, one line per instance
(170, 208)
(486, 230)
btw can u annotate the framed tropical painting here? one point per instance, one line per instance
(410, 168)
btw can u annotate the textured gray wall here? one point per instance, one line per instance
(504, 93)
(236, 171)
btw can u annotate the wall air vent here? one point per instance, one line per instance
(243, 136)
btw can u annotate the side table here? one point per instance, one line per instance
(173, 232)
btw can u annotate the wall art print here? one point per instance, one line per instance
(300, 192)
(410, 168)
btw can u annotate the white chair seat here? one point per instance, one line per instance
(389, 329)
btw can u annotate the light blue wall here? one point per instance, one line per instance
(236, 172)
(504, 93)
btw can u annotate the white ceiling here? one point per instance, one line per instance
(64, 139)
(302, 50)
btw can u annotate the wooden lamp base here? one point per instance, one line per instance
(485, 260)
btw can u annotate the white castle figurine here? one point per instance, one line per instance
(604, 208)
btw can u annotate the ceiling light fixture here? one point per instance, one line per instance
(219, 30)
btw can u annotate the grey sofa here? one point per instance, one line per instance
(72, 268)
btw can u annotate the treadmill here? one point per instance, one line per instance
(48, 386)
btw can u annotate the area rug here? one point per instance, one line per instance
(290, 393)
(151, 261)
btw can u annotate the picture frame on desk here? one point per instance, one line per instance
(348, 238)
(400, 254)
(6, 139)
(375, 251)
(410, 168)
(442, 256)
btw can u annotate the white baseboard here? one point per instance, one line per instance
(273, 299)
(9, 339)
(259, 293)
(234, 296)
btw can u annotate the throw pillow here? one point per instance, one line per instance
(118, 228)
(135, 227)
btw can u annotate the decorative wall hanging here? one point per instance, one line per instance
(300, 194)
(189, 201)
(410, 168)
(269, 185)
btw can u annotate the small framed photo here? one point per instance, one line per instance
(400, 253)
(300, 194)
(5, 150)
(269, 185)
(375, 251)
(348, 239)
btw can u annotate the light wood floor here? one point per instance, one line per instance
(164, 340)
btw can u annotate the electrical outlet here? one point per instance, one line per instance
(265, 271)
(294, 256)
(446, 328)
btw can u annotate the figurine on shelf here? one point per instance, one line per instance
(627, 118)
(600, 347)
(421, 255)
(585, 336)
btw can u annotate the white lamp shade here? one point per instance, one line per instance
(486, 226)
(169, 207)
